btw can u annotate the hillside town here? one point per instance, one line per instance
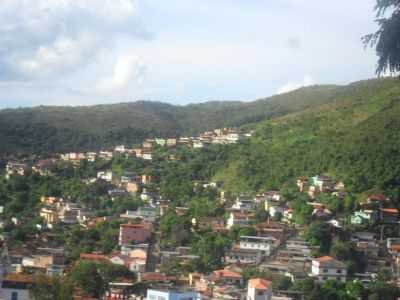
(216, 244)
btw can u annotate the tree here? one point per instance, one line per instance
(319, 234)
(51, 288)
(211, 249)
(387, 39)
(87, 277)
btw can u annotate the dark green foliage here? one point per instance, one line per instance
(93, 278)
(319, 234)
(211, 249)
(102, 238)
(51, 288)
(387, 38)
(60, 129)
(355, 138)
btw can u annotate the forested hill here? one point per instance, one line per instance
(55, 129)
(355, 137)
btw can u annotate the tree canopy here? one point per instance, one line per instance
(386, 39)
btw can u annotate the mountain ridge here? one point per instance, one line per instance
(66, 128)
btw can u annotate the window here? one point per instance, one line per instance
(14, 296)
(260, 293)
(325, 270)
(339, 271)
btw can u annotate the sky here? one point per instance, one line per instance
(69, 52)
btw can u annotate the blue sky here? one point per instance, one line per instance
(68, 52)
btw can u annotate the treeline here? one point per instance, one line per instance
(355, 138)
(60, 129)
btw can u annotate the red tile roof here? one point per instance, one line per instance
(226, 273)
(92, 256)
(324, 259)
(377, 197)
(390, 210)
(259, 284)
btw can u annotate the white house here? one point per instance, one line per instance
(259, 289)
(264, 244)
(105, 175)
(16, 287)
(243, 203)
(120, 149)
(327, 268)
(171, 294)
(275, 210)
(239, 219)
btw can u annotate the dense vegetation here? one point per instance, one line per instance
(55, 129)
(354, 138)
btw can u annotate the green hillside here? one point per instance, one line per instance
(356, 137)
(53, 129)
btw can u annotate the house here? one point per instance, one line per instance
(134, 233)
(276, 211)
(204, 223)
(91, 156)
(44, 167)
(302, 183)
(259, 289)
(148, 214)
(16, 168)
(244, 204)
(376, 198)
(106, 155)
(171, 142)
(321, 214)
(50, 260)
(243, 256)
(147, 155)
(276, 230)
(225, 276)
(105, 175)
(132, 187)
(264, 244)
(198, 144)
(16, 287)
(148, 195)
(146, 179)
(117, 193)
(327, 268)
(172, 294)
(68, 213)
(389, 215)
(287, 215)
(147, 144)
(50, 200)
(93, 257)
(239, 219)
(120, 149)
(364, 217)
(322, 183)
(300, 245)
(50, 216)
(119, 290)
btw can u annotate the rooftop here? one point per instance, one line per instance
(259, 284)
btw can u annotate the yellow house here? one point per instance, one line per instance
(50, 216)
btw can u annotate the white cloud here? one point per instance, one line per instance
(291, 86)
(63, 54)
(44, 38)
(128, 70)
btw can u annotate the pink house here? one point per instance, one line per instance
(134, 233)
